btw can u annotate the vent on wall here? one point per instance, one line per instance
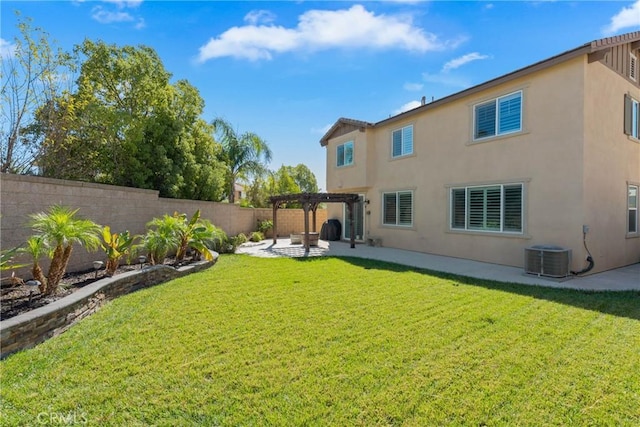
(550, 261)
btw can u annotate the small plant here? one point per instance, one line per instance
(256, 236)
(161, 238)
(116, 246)
(194, 234)
(265, 226)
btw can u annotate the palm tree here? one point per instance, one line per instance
(58, 230)
(245, 154)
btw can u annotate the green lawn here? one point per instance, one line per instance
(329, 341)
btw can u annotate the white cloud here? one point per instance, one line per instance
(107, 17)
(7, 49)
(413, 87)
(321, 29)
(259, 17)
(408, 106)
(488, 6)
(121, 4)
(465, 59)
(627, 17)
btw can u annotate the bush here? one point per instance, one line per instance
(256, 236)
(265, 226)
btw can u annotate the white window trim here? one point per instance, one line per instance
(401, 129)
(384, 224)
(344, 144)
(501, 231)
(497, 124)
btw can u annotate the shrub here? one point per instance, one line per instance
(116, 246)
(256, 236)
(265, 226)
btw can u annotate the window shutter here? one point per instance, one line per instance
(405, 208)
(476, 208)
(633, 67)
(510, 113)
(485, 120)
(628, 115)
(512, 208)
(397, 143)
(407, 140)
(389, 214)
(458, 202)
(493, 200)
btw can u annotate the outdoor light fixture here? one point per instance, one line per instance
(367, 201)
(32, 284)
(96, 266)
(142, 259)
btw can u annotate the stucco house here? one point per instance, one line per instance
(545, 156)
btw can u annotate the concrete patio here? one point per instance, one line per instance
(621, 279)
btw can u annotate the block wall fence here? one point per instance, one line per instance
(121, 208)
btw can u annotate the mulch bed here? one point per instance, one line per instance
(15, 300)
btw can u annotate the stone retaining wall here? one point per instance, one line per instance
(28, 329)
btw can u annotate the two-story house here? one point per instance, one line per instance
(548, 155)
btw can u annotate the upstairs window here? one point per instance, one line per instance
(631, 117)
(344, 154)
(498, 117)
(398, 208)
(402, 141)
(489, 208)
(632, 208)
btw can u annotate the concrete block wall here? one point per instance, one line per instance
(121, 208)
(291, 221)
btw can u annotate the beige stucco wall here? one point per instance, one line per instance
(121, 208)
(612, 161)
(548, 156)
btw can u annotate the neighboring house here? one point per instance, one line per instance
(239, 192)
(534, 157)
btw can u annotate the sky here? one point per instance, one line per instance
(287, 70)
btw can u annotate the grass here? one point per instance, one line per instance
(329, 341)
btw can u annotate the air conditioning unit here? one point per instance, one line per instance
(549, 261)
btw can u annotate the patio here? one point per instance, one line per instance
(621, 279)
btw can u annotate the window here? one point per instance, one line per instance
(344, 154)
(402, 141)
(398, 208)
(633, 67)
(498, 117)
(631, 117)
(632, 207)
(488, 208)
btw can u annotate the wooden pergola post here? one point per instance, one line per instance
(351, 225)
(275, 223)
(306, 238)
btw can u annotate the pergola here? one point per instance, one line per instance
(310, 202)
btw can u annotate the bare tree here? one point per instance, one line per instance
(34, 73)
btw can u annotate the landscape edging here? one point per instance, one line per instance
(29, 329)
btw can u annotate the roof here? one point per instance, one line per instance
(597, 48)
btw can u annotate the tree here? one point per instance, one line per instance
(128, 125)
(304, 178)
(243, 154)
(33, 75)
(56, 232)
